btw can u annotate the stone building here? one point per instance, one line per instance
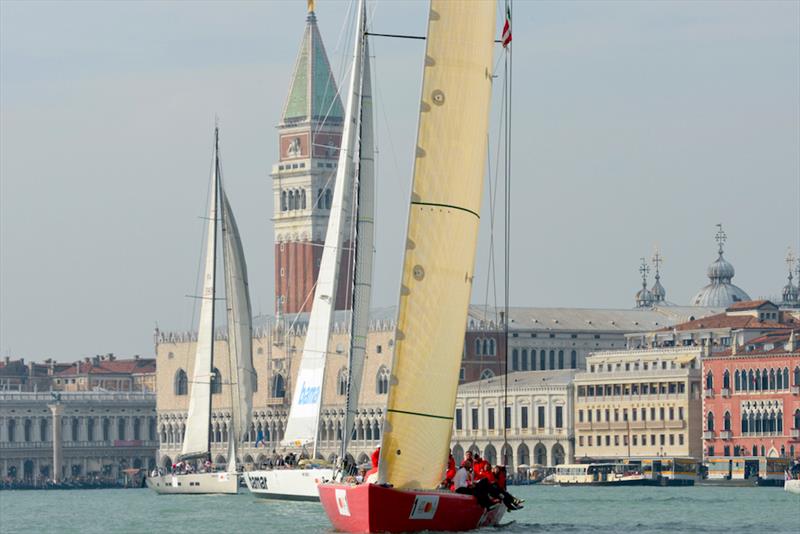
(530, 422)
(639, 404)
(101, 434)
(276, 358)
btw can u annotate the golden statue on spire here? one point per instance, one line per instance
(310, 6)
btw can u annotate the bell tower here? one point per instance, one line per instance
(309, 136)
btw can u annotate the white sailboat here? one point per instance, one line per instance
(197, 439)
(355, 172)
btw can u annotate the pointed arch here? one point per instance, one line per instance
(216, 382)
(278, 386)
(382, 380)
(181, 383)
(341, 382)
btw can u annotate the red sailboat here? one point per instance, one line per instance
(435, 289)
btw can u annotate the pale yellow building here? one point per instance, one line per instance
(639, 404)
(276, 357)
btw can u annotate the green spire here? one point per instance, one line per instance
(312, 91)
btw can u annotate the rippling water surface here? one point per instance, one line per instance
(548, 509)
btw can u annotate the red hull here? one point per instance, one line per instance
(373, 508)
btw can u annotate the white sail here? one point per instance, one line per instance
(440, 242)
(196, 438)
(364, 249)
(240, 331)
(301, 427)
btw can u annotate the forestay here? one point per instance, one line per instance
(441, 242)
(196, 439)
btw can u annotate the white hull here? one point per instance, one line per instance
(195, 483)
(287, 484)
(792, 486)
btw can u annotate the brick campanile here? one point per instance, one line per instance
(309, 136)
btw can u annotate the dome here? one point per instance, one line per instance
(719, 295)
(644, 298)
(721, 270)
(790, 293)
(658, 291)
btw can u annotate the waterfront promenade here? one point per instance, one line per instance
(548, 509)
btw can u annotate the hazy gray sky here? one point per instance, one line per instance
(635, 124)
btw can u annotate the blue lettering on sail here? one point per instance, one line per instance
(309, 395)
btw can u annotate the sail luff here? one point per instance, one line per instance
(441, 241)
(196, 438)
(301, 427)
(364, 250)
(240, 330)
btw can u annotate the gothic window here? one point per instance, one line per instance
(779, 422)
(797, 418)
(383, 380)
(709, 381)
(291, 200)
(745, 427)
(486, 347)
(726, 379)
(341, 383)
(785, 378)
(737, 380)
(515, 360)
(710, 422)
(772, 379)
(751, 381)
(284, 205)
(303, 199)
(181, 383)
(779, 379)
(764, 380)
(318, 202)
(797, 376)
(487, 373)
(278, 386)
(216, 382)
(477, 347)
(492, 347)
(726, 422)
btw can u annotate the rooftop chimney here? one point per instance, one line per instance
(791, 345)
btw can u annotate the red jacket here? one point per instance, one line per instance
(376, 454)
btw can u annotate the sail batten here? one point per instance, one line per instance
(301, 427)
(442, 234)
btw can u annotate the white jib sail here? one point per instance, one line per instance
(195, 440)
(301, 427)
(364, 250)
(240, 331)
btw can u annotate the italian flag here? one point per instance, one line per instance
(507, 27)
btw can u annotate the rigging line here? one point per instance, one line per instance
(509, 86)
(413, 37)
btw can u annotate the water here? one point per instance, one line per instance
(548, 509)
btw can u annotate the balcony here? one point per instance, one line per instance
(708, 394)
(619, 425)
(635, 425)
(725, 392)
(794, 433)
(726, 434)
(583, 426)
(600, 425)
(709, 434)
(655, 424)
(795, 390)
(675, 424)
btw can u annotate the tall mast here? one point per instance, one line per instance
(215, 203)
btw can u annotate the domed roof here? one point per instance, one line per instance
(721, 270)
(720, 293)
(644, 298)
(658, 291)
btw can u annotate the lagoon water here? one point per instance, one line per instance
(548, 509)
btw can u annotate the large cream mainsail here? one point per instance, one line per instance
(195, 440)
(240, 331)
(364, 249)
(441, 241)
(301, 427)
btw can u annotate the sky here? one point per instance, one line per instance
(635, 125)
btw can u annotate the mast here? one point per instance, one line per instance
(364, 196)
(441, 240)
(302, 425)
(197, 439)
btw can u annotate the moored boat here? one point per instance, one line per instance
(792, 486)
(599, 474)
